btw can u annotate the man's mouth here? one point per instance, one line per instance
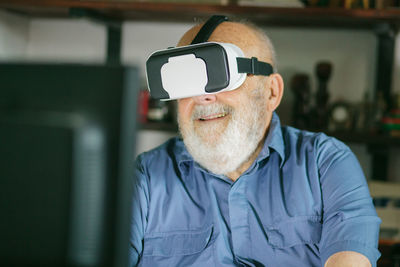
(213, 117)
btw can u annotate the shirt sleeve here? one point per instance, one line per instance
(140, 201)
(350, 222)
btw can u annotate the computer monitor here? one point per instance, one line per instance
(67, 135)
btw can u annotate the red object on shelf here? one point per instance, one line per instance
(143, 105)
(390, 120)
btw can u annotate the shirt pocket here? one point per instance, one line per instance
(177, 243)
(295, 231)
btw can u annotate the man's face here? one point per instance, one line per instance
(210, 115)
(221, 131)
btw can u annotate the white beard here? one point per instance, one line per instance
(236, 143)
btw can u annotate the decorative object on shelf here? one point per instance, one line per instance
(325, 3)
(336, 3)
(220, 2)
(158, 110)
(173, 112)
(143, 105)
(162, 111)
(391, 121)
(395, 100)
(271, 3)
(353, 4)
(362, 114)
(386, 197)
(300, 85)
(382, 4)
(379, 110)
(323, 71)
(341, 116)
(357, 4)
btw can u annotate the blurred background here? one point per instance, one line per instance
(340, 61)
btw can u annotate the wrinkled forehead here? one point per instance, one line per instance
(236, 33)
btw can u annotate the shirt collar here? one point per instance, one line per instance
(181, 152)
(274, 140)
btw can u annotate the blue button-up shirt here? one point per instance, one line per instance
(303, 199)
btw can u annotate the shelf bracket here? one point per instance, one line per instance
(114, 45)
(114, 29)
(380, 161)
(385, 57)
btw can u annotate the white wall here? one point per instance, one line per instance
(66, 40)
(14, 31)
(140, 39)
(351, 52)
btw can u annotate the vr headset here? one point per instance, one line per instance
(200, 68)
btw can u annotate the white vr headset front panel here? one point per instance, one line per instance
(186, 75)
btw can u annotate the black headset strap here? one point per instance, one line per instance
(208, 28)
(245, 65)
(253, 66)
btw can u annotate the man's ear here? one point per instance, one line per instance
(276, 91)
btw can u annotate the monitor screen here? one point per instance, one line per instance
(67, 135)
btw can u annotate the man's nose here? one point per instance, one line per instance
(205, 99)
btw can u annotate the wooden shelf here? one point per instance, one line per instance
(140, 11)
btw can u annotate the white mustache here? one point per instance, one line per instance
(201, 111)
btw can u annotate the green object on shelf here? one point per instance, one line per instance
(389, 126)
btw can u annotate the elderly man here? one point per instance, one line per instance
(241, 190)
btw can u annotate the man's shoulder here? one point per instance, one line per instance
(160, 168)
(316, 142)
(165, 150)
(164, 155)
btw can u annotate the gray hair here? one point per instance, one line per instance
(265, 39)
(262, 35)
